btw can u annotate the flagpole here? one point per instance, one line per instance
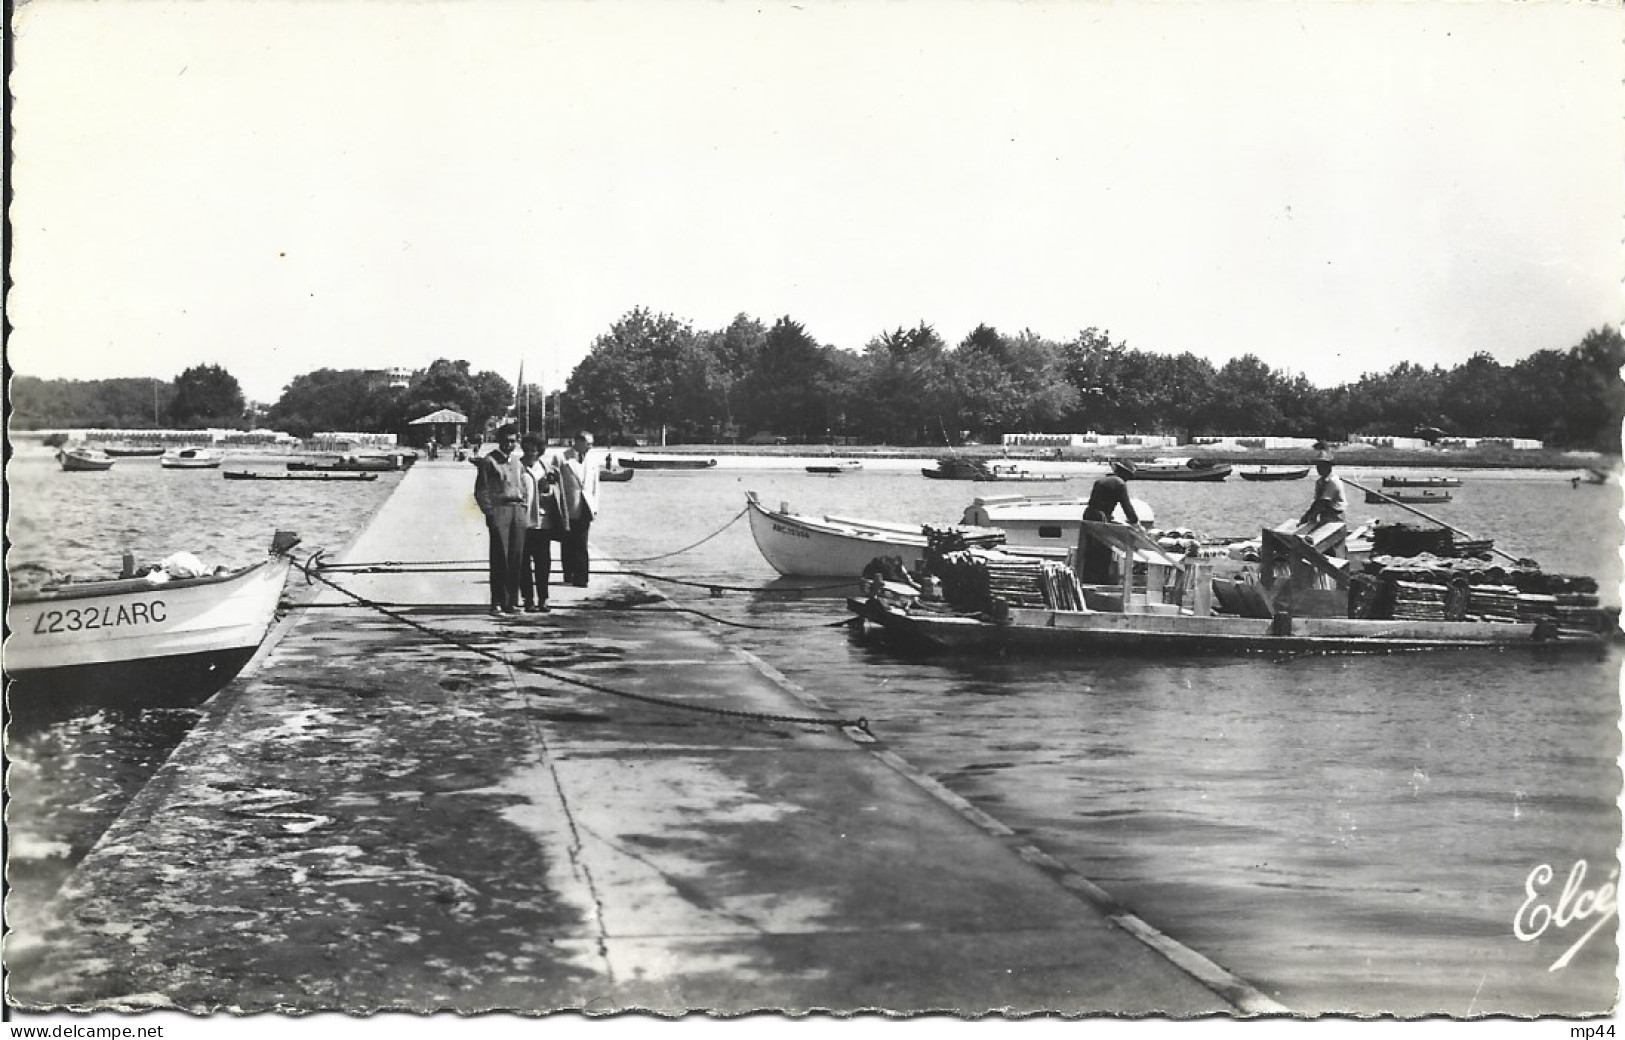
(519, 398)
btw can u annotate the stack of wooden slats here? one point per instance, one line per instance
(1579, 610)
(1417, 601)
(1535, 606)
(1061, 588)
(1019, 583)
(1492, 602)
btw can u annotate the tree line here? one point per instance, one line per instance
(907, 386)
(652, 374)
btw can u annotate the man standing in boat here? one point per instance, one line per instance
(501, 489)
(578, 490)
(1329, 505)
(1109, 495)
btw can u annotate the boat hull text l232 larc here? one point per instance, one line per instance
(139, 641)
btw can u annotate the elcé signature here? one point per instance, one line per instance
(1574, 903)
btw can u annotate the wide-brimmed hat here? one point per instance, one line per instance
(1122, 468)
(1323, 456)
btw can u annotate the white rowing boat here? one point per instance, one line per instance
(149, 639)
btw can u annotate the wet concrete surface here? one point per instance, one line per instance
(443, 810)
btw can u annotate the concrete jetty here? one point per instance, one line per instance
(422, 807)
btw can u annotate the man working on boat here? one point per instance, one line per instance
(1329, 504)
(501, 490)
(1109, 494)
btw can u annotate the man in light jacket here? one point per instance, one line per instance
(502, 489)
(578, 490)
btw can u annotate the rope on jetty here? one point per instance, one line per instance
(860, 723)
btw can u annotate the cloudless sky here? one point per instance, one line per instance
(285, 185)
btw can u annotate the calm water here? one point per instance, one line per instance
(1347, 834)
(69, 781)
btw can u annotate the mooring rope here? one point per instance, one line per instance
(860, 723)
(686, 548)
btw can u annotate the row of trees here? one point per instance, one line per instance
(202, 396)
(653, 372)
(208, 396)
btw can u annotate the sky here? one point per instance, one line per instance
(277, 186)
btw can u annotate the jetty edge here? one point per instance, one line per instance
(415, 811)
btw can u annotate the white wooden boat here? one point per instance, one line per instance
(828, 546)
(800, 545)
(84, 460)
(141, 640)
(190, 458)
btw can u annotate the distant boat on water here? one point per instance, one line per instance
(190, 458)
(667, 462)
(1280, 473)
(341, 476)
(1419, 496)
(1181, 469)
(1421, 482)
(84, 460)
(133, 451)
(836, 468)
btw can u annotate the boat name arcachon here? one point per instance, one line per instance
(1574, 904)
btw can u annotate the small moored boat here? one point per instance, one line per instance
(1181, 469)
(953, 468)
(1410, 497)
(1421, 482)
(133, 451)
(190, 458)
(340, 476)
(1278, 473)
(835, 468)
(84, 460)
(347, 463)
(668, 462)
(141, 639)
(615, 474)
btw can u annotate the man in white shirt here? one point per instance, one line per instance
(578, 490)
(1329, 504)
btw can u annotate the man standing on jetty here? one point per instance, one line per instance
(500, 489)
(578, 490)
